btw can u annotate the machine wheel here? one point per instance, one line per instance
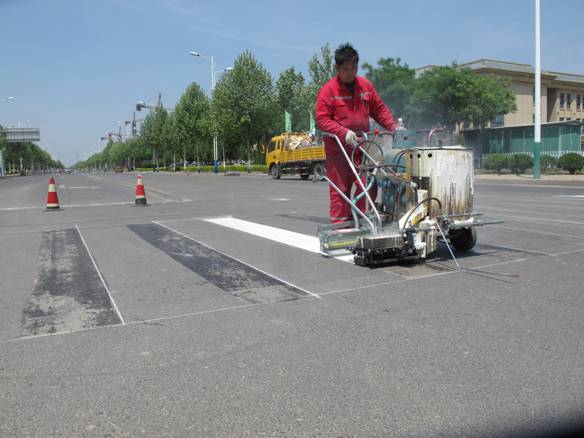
(463, 239)
(304, 175)
(318, 170)
(275, 171)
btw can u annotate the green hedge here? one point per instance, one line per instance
(519, 163)
(571, 162)
(496, 162)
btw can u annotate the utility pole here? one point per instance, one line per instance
(537, 119)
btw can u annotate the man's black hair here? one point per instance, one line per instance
(346, 52)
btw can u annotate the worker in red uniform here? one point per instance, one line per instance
(343, 107)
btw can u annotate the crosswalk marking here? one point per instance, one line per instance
(290, 238)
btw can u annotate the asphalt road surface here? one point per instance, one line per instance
(210, 313)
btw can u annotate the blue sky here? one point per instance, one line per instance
(76, 67)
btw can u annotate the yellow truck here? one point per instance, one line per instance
(295, 153)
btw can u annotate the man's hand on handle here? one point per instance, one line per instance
(351, 138)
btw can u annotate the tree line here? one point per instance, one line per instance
(248, 105)
(24, 157)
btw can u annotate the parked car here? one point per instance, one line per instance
(179, 165)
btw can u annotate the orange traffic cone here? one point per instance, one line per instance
(52, 199)
(140, 193)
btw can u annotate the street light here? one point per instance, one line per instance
(215, 152)
(7, 98)
(537, 97)
(215, 137)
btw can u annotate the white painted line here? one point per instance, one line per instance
(85, 187)
(568, 196)
(279, 199)
(64, 332)
(289, 238)
(574, 251)
(142, 321)
(535, 185)
(98, 204)
(422, 277)
(513, 248)
(21, 208)
(531, 219)
(349, 258)
(245, 306)
(16, 233)
(157, 192)
(100, 276)
(237, 260)
(202, 312)
(544, 233)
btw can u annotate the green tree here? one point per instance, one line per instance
(169, 139)
(320, 71)
(194, 124)
(455, 97)
(571, 162)
(394, 83)
(244, 106)
(323, 69)
(118, 153)
(32, 156)
(151, 131)
(291, 96)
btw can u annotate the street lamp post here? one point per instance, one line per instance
(215, 152)
(215, 137)
(537, 109)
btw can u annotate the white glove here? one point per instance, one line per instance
(351, 138)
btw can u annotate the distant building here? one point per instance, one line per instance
(562, 94)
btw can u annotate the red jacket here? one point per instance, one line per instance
(337, 110)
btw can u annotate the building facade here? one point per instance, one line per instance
(562, 94)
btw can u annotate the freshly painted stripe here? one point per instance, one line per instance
(223, 271)
(69, 292)
(290, 238)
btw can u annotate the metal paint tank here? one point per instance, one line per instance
(447, 173)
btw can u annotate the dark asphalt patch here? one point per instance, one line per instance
(68, 293)
(222, 271)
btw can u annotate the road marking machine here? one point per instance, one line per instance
(425, 194)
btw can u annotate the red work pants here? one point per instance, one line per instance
(339, 172)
